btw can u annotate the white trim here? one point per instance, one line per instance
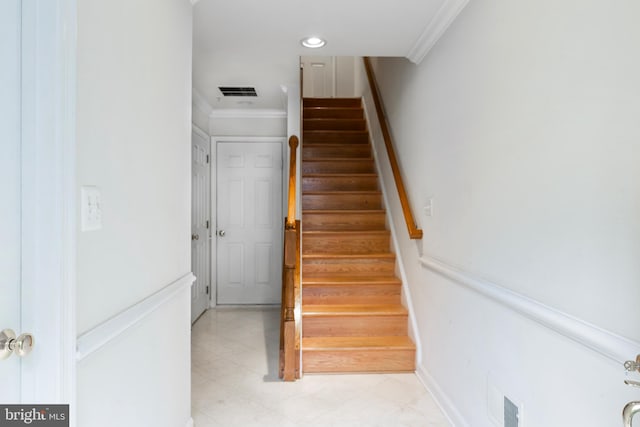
(217, 139)
(49, 199)
(247, 114)
(610, 345)
(199, 101)
(443, 18)
(370, 119)
(446, 405)
(201, 133)
(190, 421)
(96, 338)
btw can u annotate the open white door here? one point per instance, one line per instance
(249, 222)
(200, 222)
(37, 198)
(10, 192)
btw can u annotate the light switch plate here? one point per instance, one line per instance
(91, 208)
(428, 207)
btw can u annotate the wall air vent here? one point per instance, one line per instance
(238, 91)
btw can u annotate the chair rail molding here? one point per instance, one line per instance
(443, 18)
(96, 338)
(612, 346)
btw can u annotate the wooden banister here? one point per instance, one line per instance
(291, 201)
(289, 329)
(414, 231)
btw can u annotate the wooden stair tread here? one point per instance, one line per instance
(341, 192)
(381, 255)
(342, 212)
(341, 159)
(351, 279)
(344, 232)
(339, 175)
(357, 343)
(313, 310)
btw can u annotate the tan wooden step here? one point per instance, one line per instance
(336, 220)
(354, 320)
(333, 137)
(334, 182)
(354, 166)
(333, 113)
(324, 264)
(345, 242)
(361, 200)
(358, 354)
(352, 289)
(332, 102)
(310, 151)
(334, 124)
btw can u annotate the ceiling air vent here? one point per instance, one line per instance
(238, 91)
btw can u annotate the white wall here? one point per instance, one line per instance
(522, 125)
(133, 138)
(246, 124)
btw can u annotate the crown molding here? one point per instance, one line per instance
(443, 18)
(247, 114)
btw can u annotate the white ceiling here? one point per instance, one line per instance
(257, 42)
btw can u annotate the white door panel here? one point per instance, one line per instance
(200, 223)
(10, 190)
(318, 76)
(249, 222)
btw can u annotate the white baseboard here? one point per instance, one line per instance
(446, 405)
(190, 423)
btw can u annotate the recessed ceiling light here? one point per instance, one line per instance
(313, 42)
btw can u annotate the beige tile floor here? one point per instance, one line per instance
(235, 383)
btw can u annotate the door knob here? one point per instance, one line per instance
(10, 344)
(195, 237)
(221, 233)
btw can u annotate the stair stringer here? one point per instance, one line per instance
(378, 151)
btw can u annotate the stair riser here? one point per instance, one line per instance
(345, 244)
(334, 124)
(329, 137)
(340, 183)
(342, 201)
(332, 113)
(359, 266)
(342, 361)
(338, 151)
(351, 294)
(354, 326)
(332, 102)
(341, 222)
(353, 166)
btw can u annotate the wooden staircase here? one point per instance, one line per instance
(353, 318)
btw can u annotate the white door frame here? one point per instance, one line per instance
(214, 186)
(49, 200)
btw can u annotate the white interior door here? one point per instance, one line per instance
(10, 190)
(249, 222)
(319, 78)
(200, 223)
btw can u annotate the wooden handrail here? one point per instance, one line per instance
(414, 231)
(289, 329)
